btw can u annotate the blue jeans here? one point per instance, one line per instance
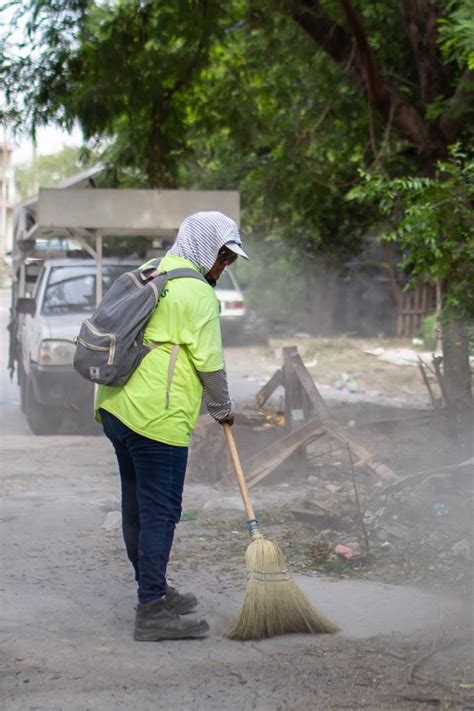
(152, 478)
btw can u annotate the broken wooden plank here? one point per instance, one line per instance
(437, 362)
(418, 477)
(365, 457)
(297, 410)
(269, 388)
(426, 381)
(317, 504)
(263, 463)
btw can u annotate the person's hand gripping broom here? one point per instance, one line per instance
(273, 603)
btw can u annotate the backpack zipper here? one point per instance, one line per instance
(90, 345)
(111, 350)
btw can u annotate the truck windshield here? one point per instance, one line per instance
(73, 288)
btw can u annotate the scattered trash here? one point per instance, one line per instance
(387, 546)
(417, 341)
(346, 552)
(439, 509)
(348, 384)
(392, 530)
(312, 363)
(333, 488)
(375, 351)
(113, 520)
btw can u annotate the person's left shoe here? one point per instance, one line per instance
(182, 603)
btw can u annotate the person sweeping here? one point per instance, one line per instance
(149, 419)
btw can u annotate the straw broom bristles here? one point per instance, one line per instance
(273, 603)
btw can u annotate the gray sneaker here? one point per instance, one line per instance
(155, 621)
(182, 603)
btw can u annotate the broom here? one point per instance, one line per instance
(273, 603)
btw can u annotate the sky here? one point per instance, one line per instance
(49, 140)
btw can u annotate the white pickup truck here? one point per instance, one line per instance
(47, 322)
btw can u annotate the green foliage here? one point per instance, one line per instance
(432, 221)
(456, 32)
(34, 71)
(285, 141)
(428, 332)
(234, 94)
(50, 169)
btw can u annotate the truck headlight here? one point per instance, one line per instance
(56, 353)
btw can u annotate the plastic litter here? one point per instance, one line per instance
(113, 520)
(439, 509)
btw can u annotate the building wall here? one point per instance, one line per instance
(7, 197)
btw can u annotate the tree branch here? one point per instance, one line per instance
(421, 24)
(338, 44)
(452, 120)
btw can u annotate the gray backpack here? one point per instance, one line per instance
(110, 346)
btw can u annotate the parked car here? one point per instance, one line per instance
(46, 324)
(232, 305)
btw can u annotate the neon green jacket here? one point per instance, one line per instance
(187, 314)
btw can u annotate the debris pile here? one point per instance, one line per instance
(417, 529)
(356, 513)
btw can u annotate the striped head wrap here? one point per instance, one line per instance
(202, 235)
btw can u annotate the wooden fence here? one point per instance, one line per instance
(415, 306)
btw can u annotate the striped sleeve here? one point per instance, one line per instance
(216, 394)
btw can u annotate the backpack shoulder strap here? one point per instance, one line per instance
(179, 273)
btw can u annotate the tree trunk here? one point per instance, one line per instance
(458, 379)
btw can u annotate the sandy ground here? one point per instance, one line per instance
(68, 598)
(67, 606)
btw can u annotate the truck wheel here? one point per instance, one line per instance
(22, 383)
(42, 420)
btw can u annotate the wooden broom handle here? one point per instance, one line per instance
(234, 455)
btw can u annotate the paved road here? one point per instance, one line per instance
(67, 599)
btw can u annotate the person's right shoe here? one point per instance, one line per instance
(155, 621)
(182, 603)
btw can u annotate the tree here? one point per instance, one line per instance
(49, 169)
(433, 222)
(121, 69)
(430, 115)
(291, 100)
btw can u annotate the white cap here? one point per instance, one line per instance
(235, 247)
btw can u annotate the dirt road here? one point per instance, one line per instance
(67, 599)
